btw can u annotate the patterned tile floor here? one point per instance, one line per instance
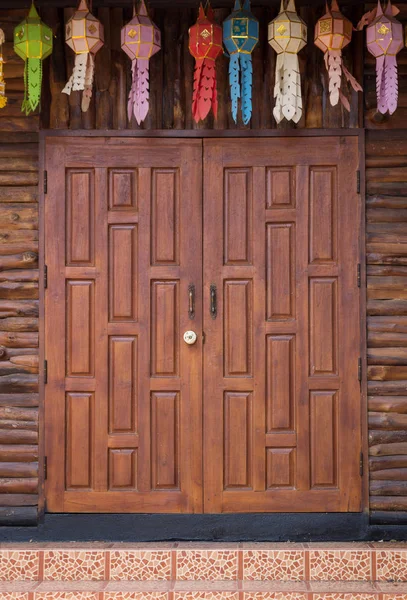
(202, 571)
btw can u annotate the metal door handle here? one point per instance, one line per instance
(214, 302)
(191, 301)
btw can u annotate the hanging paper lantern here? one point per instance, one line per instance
(33, 43)
(84, 34)
(332, 33)
(205, 45)
(384, 38)
(240, 36)
(141, 39)
(3, 99)
(287, 36)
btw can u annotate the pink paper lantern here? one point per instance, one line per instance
(384, 38)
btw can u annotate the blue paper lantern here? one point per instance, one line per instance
(240, 37)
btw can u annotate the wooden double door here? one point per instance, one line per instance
(251, 244)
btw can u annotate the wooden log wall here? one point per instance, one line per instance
(386, 177)
(19, 398)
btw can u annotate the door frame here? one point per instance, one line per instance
(202, 134)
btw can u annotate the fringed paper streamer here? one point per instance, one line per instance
(3, 98)
(234, 84)
(204, 95)
(246, 70)
(138, 104)
(32, 85)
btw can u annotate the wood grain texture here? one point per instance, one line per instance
(386, 247)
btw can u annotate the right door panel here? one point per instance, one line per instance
(282, 397)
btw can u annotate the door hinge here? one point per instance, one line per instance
(361, 464)
(45, 468)
(203, 337)
(45, 276)
(358, 181)
(360, 369)
(45, 371)
(45, 182)
(359, 275)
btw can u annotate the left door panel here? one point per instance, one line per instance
(123, 402)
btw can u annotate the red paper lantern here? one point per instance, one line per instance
(205, 45)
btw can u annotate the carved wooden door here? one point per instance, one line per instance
(123, 409)
(282, 398)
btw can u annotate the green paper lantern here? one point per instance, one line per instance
(33, 43)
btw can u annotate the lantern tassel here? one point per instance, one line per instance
(207, 88)
(247, 80)
(88, 85)
(290, 87)
(32, 87)
(391, 83)
(380, 85)
(333, 61)
(3, 99)
(197, 86)
(143, 89)
(278, 88)
(234, 83)
(76, 81)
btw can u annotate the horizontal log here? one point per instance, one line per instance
(11, 339)
(385, 517)
(17, 413)
(380, 258)
(19, 241)
(387, 356)
(18, 436)
(386, 175)
(389, 449)
(387, 388)
(388, 404)
(18, 194)
(24, 124)
(10, 353)
(19, 290)
(388, 488)
(23, 260)
(22, 149)
(18, 500)
(20, 515)
(18, 137)
(385, 436)
(377, 202)
(20, 275)
(380, 463)
(386, 340)
(385, 373)
(399, 474)
(393, 160)
(18, 216)
(19, 383)
(20, 324)
(382, 270)
(19, 308)
(18, 453)
(8, 368)
(6, 425)
(16, 485)
(30, 360)
(381, 420)
(19, 399)
(387, 324)
(18, 177)
(20, 163)
(391, 248)
(388, 503)
(15, 469)
(387, 307)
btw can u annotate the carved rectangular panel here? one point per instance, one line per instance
(80, 217)
(280, 377)
(165, 440)
(323, 215)
(238, 235)
(324, 445)
(80, 315)
(122, 469)
(165, 217)
(165, 328)
(79, 408)
(238, 439)
(123, 384)
(323, 307)
(280, 467)
(122, 189)
(238, 328)
(123, 276)
(280, 265)
(280, 187)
